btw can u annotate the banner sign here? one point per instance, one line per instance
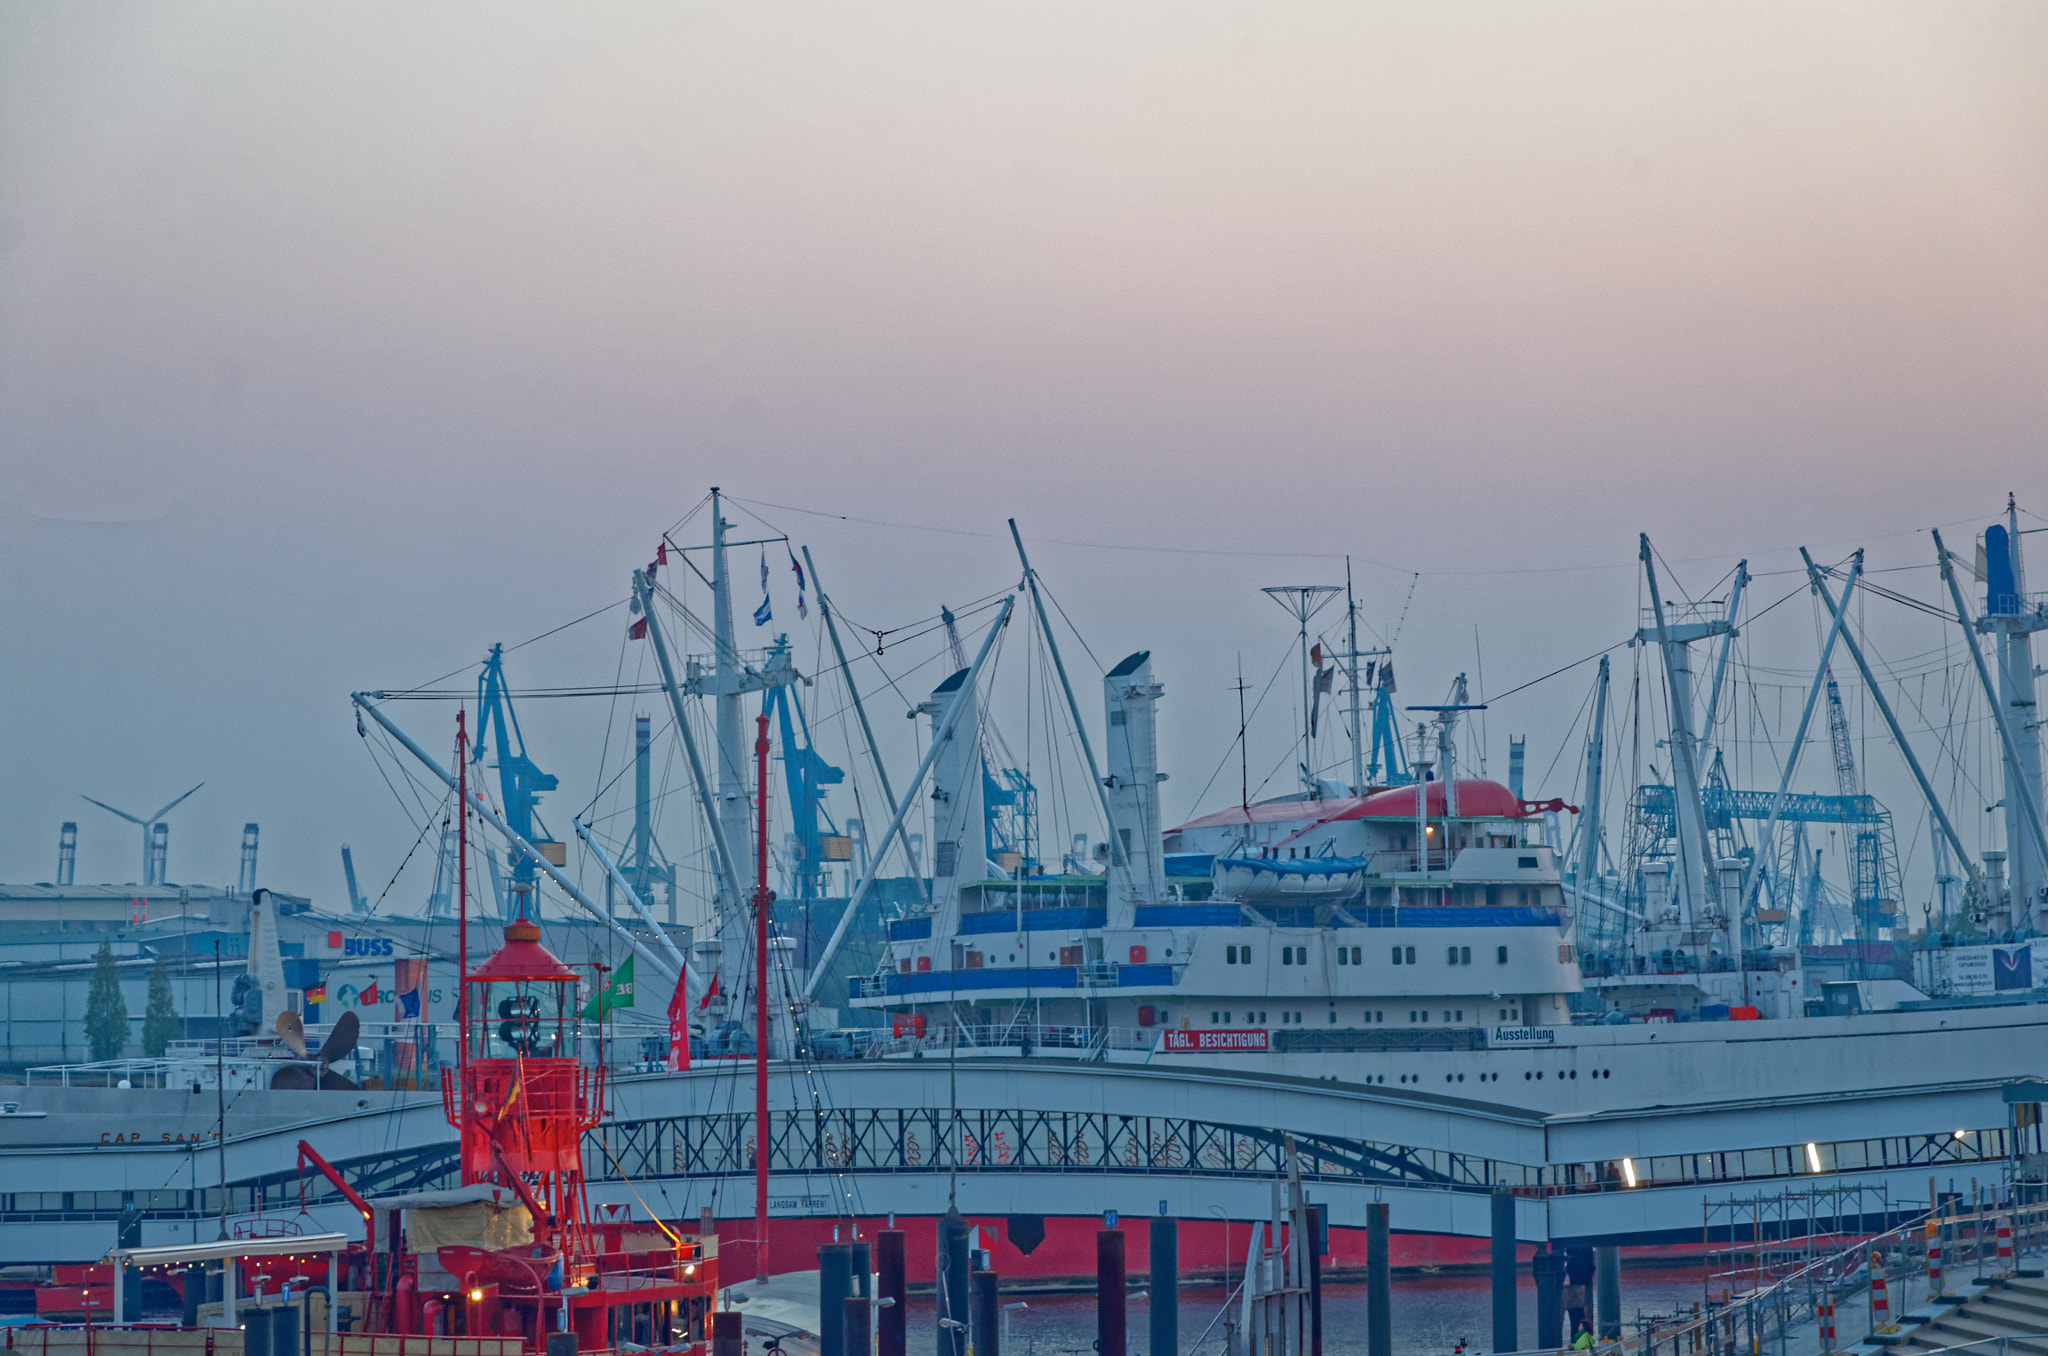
(1217, 1040)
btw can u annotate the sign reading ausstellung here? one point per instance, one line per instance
(1521, 1035)
(1217, 1040)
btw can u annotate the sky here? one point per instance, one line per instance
(339, 343)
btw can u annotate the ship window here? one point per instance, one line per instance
(1379, 1016)
(1454, 954)
(1212, 1018)
(1262, 1018)
(1461, 1014)
(1464, 955)
(1244, 955)
(1357, 957)
(1230, 955)
(1333, 1017)
(1397, 955)
(1411, 955)
(1343, 956)
(1287, 955)
(1500, 955)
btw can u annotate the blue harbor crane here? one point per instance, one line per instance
(520, 783)
(807, 775)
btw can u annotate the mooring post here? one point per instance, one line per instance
(1607, 1292)
(984, 1326)
(1110, 1330)
(1318, 1244)
(1549, 1268)
(855, 1325)
(728, 1338)
(1379, 1292)
(951, 1308)
(891, 1325)
(835, 1283)
(1165, 1316)
(1505, 1334)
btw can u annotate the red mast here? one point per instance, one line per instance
(762, 901)
(461, 887)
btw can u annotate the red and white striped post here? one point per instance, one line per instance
(2005, 1244)
(1880, 1300)
(1827, 1325)
(1933, 1256)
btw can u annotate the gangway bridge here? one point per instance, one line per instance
(866, 1138)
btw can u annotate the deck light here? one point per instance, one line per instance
(1962, 1134)
(1628, 1171)
(475, 1295)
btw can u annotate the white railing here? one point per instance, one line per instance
(1076, 1041)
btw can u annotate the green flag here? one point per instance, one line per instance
(617, 994)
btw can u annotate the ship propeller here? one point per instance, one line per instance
(339, 1044)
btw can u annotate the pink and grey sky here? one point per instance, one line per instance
(337, 342)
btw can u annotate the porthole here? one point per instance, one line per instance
(1527, 1076)
(1447, 1078)
(1461, 1078)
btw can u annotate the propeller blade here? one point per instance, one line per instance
(331, 1081)
(294, 1078)
(291, 1029)
(173, 805)
(341, 1040)
(112, 811)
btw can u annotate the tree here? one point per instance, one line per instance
(160, 1024)
(106, 1012)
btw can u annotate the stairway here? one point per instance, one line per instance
(2014, 1309)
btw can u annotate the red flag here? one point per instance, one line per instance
(679, 1025)
(638, 630)
(709, 994)
(1315, 654)
(368, 995)
(661, 552)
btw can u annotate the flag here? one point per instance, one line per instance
(367, 996)
(762, 616)
(617, 994)
(711, 991)
(638, 630)
(803, 613)
(1325, 678)
(406, 985)
(318, 993)
(661, 552)
(679, 1025)
(1315, 654)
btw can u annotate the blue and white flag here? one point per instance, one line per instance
(803, 613)
(762, 616)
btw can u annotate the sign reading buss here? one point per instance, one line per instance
(1216, 1040)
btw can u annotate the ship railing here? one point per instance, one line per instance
(1006, 1037)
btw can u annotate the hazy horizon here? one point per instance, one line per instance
(337, 345)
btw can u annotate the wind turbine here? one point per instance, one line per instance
(153, 865)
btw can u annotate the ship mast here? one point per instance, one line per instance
(1351, 621)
